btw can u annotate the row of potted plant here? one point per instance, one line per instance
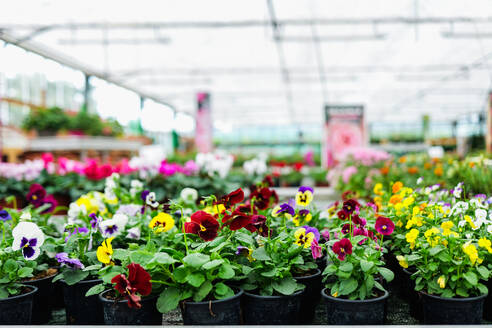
(126, 258)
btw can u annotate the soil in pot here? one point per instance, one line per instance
(213, 312)
(82, 310)
(17, 310)
(271, 310)
(452, 311)
(117, 312)
(311, 296)
(43, 300)
(341, 311)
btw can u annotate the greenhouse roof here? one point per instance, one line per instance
(276, 62)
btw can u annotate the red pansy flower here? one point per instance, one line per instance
(350, 205)
(138, 281)
(342, 248)
(237, 220)
(202, 224)
(36, 195)
(384, 226)
(342, 215)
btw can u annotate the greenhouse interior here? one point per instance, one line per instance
(233, 162)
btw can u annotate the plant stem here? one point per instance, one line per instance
(183, 229)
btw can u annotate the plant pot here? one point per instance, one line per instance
(58, 298)
(118, 313)
(409, 293)
(218, 312)
(311, 296)
(271, 310)
(322, 263)
(487, 315)
(82, 310)
(17, 310)
(341, 311)
(451, 311)
(42, 303)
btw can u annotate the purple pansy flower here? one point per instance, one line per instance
(82, 230)
(313, 230)
(95, 220)
(63, 259)
(285, 208)
(28, 238)
(5, 216)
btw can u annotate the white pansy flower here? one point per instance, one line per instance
(113, 227)
(133, 233)
(28, 238)
(459, 208)
(25, 216)
(136, 186)
(189, 195)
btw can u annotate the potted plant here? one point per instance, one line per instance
(449, 252)
(17, 263)
(354, 280)
(46, 121)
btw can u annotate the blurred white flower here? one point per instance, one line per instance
(189, 195)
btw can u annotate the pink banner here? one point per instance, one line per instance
(204, 127)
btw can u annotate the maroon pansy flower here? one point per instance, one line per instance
(138, 281)
(342, 215)
(202, 224)
(345, 228)
(350, 205)
(50, 199)
(236, 220)
(384, 226)
(342, 248)
(36, 195)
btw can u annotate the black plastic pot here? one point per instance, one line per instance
(410, 294)
(311, 296)
(271, 310)
(82, 310)
(17, 310)
(487, 305)
(452, 311)
(218, 312)
(43, 300)
(118, 312)
(341, 311)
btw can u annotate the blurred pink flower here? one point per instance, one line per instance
(348, 172)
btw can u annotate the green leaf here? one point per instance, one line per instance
(347, 286)
(347, 267)
(244, 237)
(223, 291)
(195, 279)
(212, 264)
(434, 250)
(203, 291)
(366, 265)
(120, 254)
(482, 288)
(484, 272)
(72, 277)
(168, 300)
(330, 269)
(270, 273)
(379, 286)
(286, 286)
(94, 290)
(25, 272)
(163, 258)
(3, 293)
(180, 274)
(387, 274)
(462, 292)
(471, 277)
(93, 267)
(226, 271)
(196, 260)
(141, 257)
(10, 266)
(261, 254)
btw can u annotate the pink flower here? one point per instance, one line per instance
(316, 250)
(348, 172)
(47, 158)
(384, 226)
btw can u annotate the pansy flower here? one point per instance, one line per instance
(302, 216)
(384, 226)
(233, 198)
(284, 209)
(246, 252)
(113, 227)
(95, 220)
(28, 238)
(5, 216)
(162, 222)
(350, 205)
(342, 248)
(76, 230)
(304, 238)
(133, 233)
(36, 195)
(237, 220)
(316, 250)
(105, 251)
(149, 198)
(258, 224)
(342, 215)
(202, 224)
(138, 281)
(263, 197)
(189, 195)
(304, 196)
(50, 199)
(64, 259)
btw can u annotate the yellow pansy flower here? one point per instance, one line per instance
(472, 253)
(446, 229)
(408, 201)
(470, 222)
(378, 189)
(428, 235)
(105, 251)
(402, 261)
(411, 236)
(161, 222)
(302, 238)
(485, 243)
(304, 196)
(442, 282)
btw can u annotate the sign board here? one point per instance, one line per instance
(343, 129)
(204, 127)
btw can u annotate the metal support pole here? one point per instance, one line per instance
(87, 92)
